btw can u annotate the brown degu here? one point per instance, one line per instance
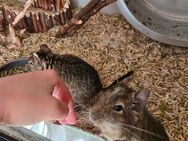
(81, 78)
(121, 115)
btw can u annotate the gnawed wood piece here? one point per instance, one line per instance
(35, 21)
(51, 4)
(74, 24)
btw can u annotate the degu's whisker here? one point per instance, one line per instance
(128, 131)
(138, 129)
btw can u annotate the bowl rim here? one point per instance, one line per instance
(16, 62)
(147, 31)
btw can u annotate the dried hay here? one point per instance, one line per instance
(113, 47)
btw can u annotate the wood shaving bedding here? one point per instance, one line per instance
(113, 47)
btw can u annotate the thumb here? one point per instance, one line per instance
(56, 110)
(61, 92)
(71, 118)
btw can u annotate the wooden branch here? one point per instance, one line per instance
(82, 17)
(23, 12)
(15, 40)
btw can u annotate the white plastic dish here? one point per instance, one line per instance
(162, 20)
(56, 132)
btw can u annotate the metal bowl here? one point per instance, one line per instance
(162, 20)
(13, 63)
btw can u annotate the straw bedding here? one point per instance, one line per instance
(113, 47)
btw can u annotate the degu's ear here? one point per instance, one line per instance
(140, 99)
(44, 48)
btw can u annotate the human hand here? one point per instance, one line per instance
(62, 93)
(32, 97)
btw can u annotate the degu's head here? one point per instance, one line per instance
(118, 107)
(40, 60)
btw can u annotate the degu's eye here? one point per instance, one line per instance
(118, 108)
